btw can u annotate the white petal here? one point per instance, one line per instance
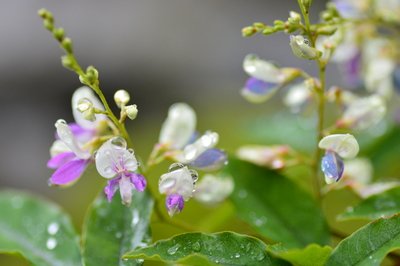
(212, 189)
(263, 70)
(177, 182)
(85, 92)
(297, 95)
(113, 157)
(358, 170)
(377, 71)
(377, 188)
(66, 136)
(345, 145)
(58, 147)
(365, 112)
(125, 189)
(302, 49)
(179, 126)
(268, 156)
(205, 142)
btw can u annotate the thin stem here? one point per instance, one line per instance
(320, 90)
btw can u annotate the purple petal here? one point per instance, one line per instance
(174, 204)
(210, 160)
(111, 188)
(332, 166)
(80, 133)
(259, 87)
(69, 172)
(125, 189)
(60, 159)
(139, 181)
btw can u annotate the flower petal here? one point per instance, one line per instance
(345, 145)
(113, 157)
(174, 204)
(177, 182)
(262, 70)
(332, 166)
(81, 134)
(205, 142)
(139, 181)
(111, 188)
(213, 189)
(60, 159)
(65, 134)
(58, 147)
(86, 92)
(69, 172)
(302, 49)
(210, 160)
(125, 188)
(258, 91)
(179, 126)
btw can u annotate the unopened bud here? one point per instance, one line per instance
(48, 25)
(67, 45)
(326, 30)
(85, 106)
(59, 33)
(66, 62)
(131, 111)
(121, 98)
(302, 49)
(294, 17)
(92, 74)
(248, 31)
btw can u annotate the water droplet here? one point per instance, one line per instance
(16, 202)
(248, 247)
(51, 243)
(217, 261)
(119, 143)
(260, 256)
(237, 255)
(131, 151)
(135, 217)
(175, 166)
(52, 229)
(172, 250)
(195, 175)
(118, 234)
(242, 194)
(370, 257)
(61, 121)
(196, 246)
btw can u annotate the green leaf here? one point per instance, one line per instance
(369, 245)
(226, 248)
(376, 206)
(276, 207)
(111, 229)
(312, 255)
(37, 229)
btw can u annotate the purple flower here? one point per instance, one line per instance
(174, 204)
(70, 153)
(115, 162)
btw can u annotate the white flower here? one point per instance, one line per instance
(213, 189)
(364, 113)
(262, 70)
(345, 145)
(297, 96)
(179, 126)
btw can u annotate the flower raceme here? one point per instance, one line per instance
(118, 164)
(338, 147)
(71, 151)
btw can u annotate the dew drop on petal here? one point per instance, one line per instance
(175, 166)
(52, 229)
(51, 243)
(119, 143)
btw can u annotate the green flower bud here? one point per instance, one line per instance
(59, 33)
(67, 45)
(92, 74)
(326, 30)
(248, 31)
(121, 98)
(131, 111)
(66, 62)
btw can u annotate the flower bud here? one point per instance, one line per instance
(85, 106)
(67, 45)
(267, 156)
(345, 145)
(67, 63)
(332, 166)
(121, 98)
(302, 49)
(131, 111)
(262, 70)
(248, 31)
(92, 74)
(59, 33)
(205, 142)
(294, 17)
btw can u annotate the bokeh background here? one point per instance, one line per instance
(161, 51)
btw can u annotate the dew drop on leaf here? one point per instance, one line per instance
(51, 243)
(52, 229)
(172, 250)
